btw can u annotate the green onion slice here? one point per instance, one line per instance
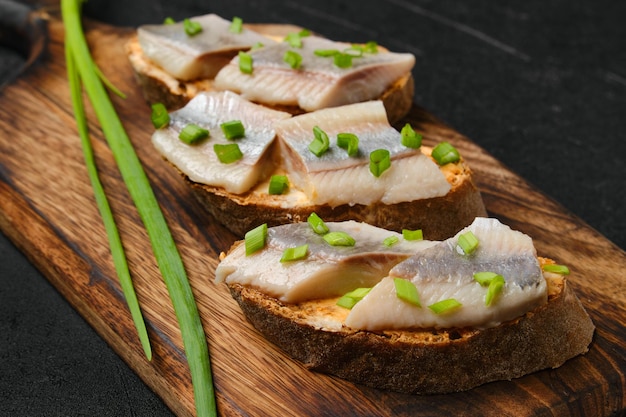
(192, 27)
(233, 129)
(494, 281)
(371, 47)
(468, 242)
(380, 161)
(445, 306)
(320, 143)
(317, 224)
(355, 51)
(326, 53)
(339, 239)
(228, 153)
(257, 45)
(236, 26)
(445, 153)
(412, 234)
(484, 278)
(254, 239)
(407, 291)
(293, 59)
(391, 240)
(559, 269)
(294, 39)
(410, 138)
(168, 21)
(342, 60)
(159, 116)
(245, 62)
(192, 133)
(350, 299)
(294, 254)
(279, 184)
(495, 287)
(349, 142)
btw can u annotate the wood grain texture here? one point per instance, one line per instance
(47, 209)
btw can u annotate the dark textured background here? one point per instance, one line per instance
(541, 85)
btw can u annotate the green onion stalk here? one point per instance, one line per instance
(115, 243)
(81, 68)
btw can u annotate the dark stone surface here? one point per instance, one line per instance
(539, 85)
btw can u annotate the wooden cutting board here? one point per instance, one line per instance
(47, 209)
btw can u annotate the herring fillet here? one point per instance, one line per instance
(336, 178)
(441, 272)
(199, 56)
(327, 271)
(318, 83)
(199, 161)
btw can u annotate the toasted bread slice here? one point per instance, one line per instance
(438, 217)
(159, 86)
(423, 361)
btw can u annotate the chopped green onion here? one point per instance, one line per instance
(339, 239)
(257, 45)
(245, 62)
(192, 133)
(168, 21)
(391, 240)
(236, 25)
(380, 161)
(484, 278)
(317, 224)
(294, 254)
(407, 291)
(412, 234)
(349, 142)
(293, 58)
(294, 39)
(279, 184)
(355, 51)
(410, 138)
(227, 154)
(192, 27)
(495, 287)
(254, 239)
(233, 129)
(445, 306)
(320, 143)
(325, 53)
(468, 242)
(159, 116)
(342, 60)
(558, 269)
(494, 281)
(371, 47)
(166, 254)
(445, 153)
(350, 299)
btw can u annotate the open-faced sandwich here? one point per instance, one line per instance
(279, 66)
(344, 163)
(391, 311)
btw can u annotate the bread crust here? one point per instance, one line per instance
(158, 86)
(426, 361)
